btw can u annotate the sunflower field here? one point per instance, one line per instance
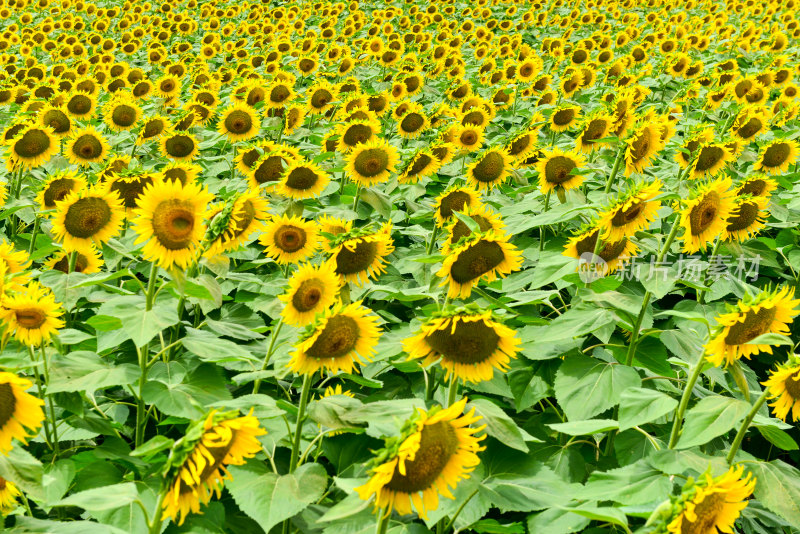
(399, 267)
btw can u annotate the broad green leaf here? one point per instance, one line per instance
(602, 513)
(709, 418)
(585, 428)
(211, 348)
(30, 525)
(25, 471)
(499, 425)
(586, 386)
(201, 387)
(86, 371)
(640, 405)
(576, 322)
(778, 437)
(141, 325)
(102, 498)
(778, 488)
(512, 492)
(638, 483)
(557, 521)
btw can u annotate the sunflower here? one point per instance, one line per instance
(595, 127)
(8, 496)
(454, 198)
(337, 339)
(484, 255)
(279, 93)
(436, 450)
(13, 263)
(564, 117)
(641, 148)
(746, 219)
(290, 239)
(371, 163)
(86, 216)
(333, 226)
(711, 159)
(522, 144)
(239, 122)
(558, 168)
(302, 180)
(130, 187)
(612, 253)
(691, 147)
(56, 118)
(222, 440)
(168, 87)
(354, 133)
(87, 261)
(153, 128)
(185, 173)
(180, 146)
(705, 215)
(421, 164)
(749, 124)
(767, 312)
(293, 118)
(712, 504)
(311, 290)
(631, 212)
(489, 169)
(784, 389)
(20, 411)
(757, 185)
(32, 147)
(413, 123)
(360, 254)
(32, 315)
(776, 157)
(469, 137)
(57, 186)
(80, 105)
(246, 217)
(321, 96)
(122, 114)
(270, 167)
(86, 146)
(169, 220)
(481, 215)
(467, 342)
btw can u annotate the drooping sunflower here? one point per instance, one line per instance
(711, 159)
(86, 216)
(32, 147)
(558, 168)
(153, 128)
(522, 144)
(56, 118)
(224, 439)
(746, 219)
(777, 156)
(454, 198)
(180, 146)
(784, 389)
(642, 147)
(32, 315)
(8, 496)
(289, 239)
(749, 124)
(360, 254)
(595, 127)
(444, 152)
(293, 118)
(337, 339)
(86, 146)
(468, 342)
(239, 122)
(122, 114)
(712, 504)
(302, 180)
(705, 215)
(612, 253)
(767, 312)
(423, 163)
(490, 169)
(480, 256)
(436, 450)
(757, 185)
(169, 220)
(87, 261)
(311, 290)
(57, 186)
(631, 212)
(21, 414)
(371, 163)
(564, 117)
(246, 217)
(485, 218)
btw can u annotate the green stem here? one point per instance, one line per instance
(687, 394)
(737, 442)
(151, 286)
(275, 332)
(355, 198)
(615, 169)
(432, 241)
(33, 235)
(301, 413)
(140, 405)
(383, 522)
(701, 293)
(493, 300)
(451, 395)
(542, 228)
(154, 526)
(50, 402)
(430, 386)
(37, 377)
(452, 521)
(73, 259)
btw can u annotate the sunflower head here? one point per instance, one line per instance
(239, 122)
(302, 180)
(704, 216)
(86, 216)
(86, 146)
(777, 156)
(481, 255)
(360, 253)
(559, 169)
(20, 412)
(289, 239)
(783, 385)
(58, 186)
(32, 316)
(33, 146)
(311, 291)
(490, 169)
(372, 162)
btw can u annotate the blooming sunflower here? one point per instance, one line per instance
(749, 124)
(32, 147)
(469, 137)
(490, 169)
(333, 226)
(642, 146)
(14, 262)
(372, 162)
(631, 212)
(713, 504)
(152, 128)
(522, 144)
(169, 220)
(270, 167)
(484, 255)
(435, 450)
(290, 239)
(88, 261)
(613, 253)
(302, 180)
(80, 105)
(356, 132)
(337, 340)
(57, 186)
(595, 127)
(19, 411)
(224, 439)
(32, 315)
(467, 342)
(239, 122)
(89, 215)
(557, 168)
(360, 254)
(757, 185)
(704, 216)
(746, 219)
(485, 218)
(56, 118)
(784, 389)
(413, 123)
(122, 114)
(564, 117)
(8, 496)
(777, 156)
(180, 146)
(711, 159)
(454, 198)
(86, 146)
(311, 290)
(321, 96)
(293, 118)
(185, 173)
(246, 217)
(767, 312)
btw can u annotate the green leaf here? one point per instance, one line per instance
(512, 492)
(86, 371)
(141, 325)
(471, 224)
(25, 471)
(778, 437)
(605, 514)
(640, 405)
(269, 498)
(638, 483)
(499, 425)
(771, 339)
(30, 525)
(576, 322)
(102, 498)
(585, 428)
(709, 418)
(557, 521)
(201, 387)
(153, 446)
(778, 488)
(586, 386)
(211, 348)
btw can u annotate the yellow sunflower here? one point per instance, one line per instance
(32, 147)
(86, 146)
(224, 439)
(784, 389)
(454, 198)
(153, 128)
(56, 118)
(185, 173)
(711, 159)
(360, 254)
(564, 117)
(746, 219)
(559, 168)
(522, 144)
(436, 450)
(613, 253)
(270, 167)
(337, 339)
(371, 163)
(490, 169)
(20, 411)
(32, 315)
(14, 263)
(777, 156)
(246, 217)
(486, 255)
(485, 218)
(356, 132)
(631, 212)
(333, 226)
(87, 261)
(239, 122)
(86, 216)
(290, 239)
(321, 96)
(413, 123)
(467, 342)
(767, 312)
(757, 185)
(57, 186)
(180, 146)
(595, 127)
(122, 114)
(311, 290)
(705, 214)
(302, 180)
(8, 496)
(169, 220)
(641, 148)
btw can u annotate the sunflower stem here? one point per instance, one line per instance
(151, 287)
(50, 399)
(687, 394)
(33, 235)
(451, 395)
(38, 379)
(383, 522)
(73, 259)
(301, 414)
(615, 169)
(432, 241)
(737, 441)
(452, 520)
(154, 526)
(355, 198)
(542, 228)
(270, 350)
(701, 293)
(141, 421)
(493, 300)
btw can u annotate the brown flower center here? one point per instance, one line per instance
(623, 217)
(269, 170)
(745, 216)
(179, 146)
(87, 147)
(173, 222)
(470, 342)
(489, 168)
(477, 260)
(776, 155)
(357, 260)
(337, 339)
(704, 213)
(301, 178)
(33, 143)
(79, 105)
(412, 122)
(709, 157)
(437, 445)
(87, 216)
(8, 403)
(57, 190)
(371, 162)
(57, 120)
(123, 115)
(454, 201)
(290, 238)
(238, 122)
(707, 513)
(557, 170)
(754, 325)
(308, 295)
(792, 386)
(356, 134)
(30, 318)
